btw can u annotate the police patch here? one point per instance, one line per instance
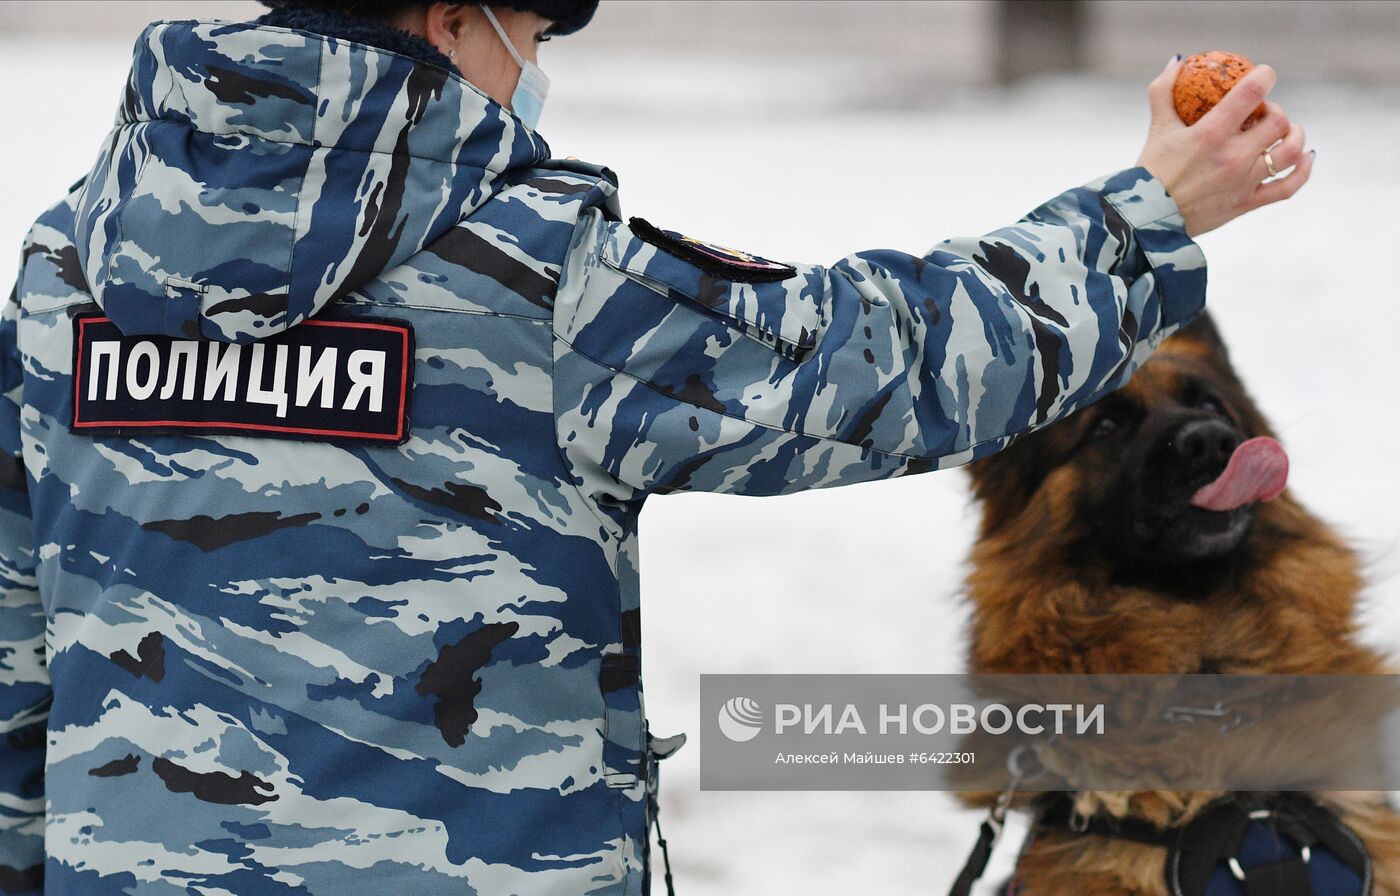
(718, 261)
(322, 380)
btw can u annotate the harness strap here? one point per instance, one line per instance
(1327, 829)
(1058, 812)
(976, 863)
(1286, 878)
(1209, 839)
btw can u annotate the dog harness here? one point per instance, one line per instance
(1244, 844)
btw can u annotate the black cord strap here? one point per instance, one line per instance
(661, 842)
(977, 862)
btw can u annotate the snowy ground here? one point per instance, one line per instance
(810, 162)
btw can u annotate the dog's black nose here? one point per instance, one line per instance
(1205, 445)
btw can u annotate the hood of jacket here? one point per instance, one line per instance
(256, 174)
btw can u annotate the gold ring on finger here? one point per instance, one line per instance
(1269, 164)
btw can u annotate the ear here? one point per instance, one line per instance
(1203, 331)
(1200, 339)
(1004, 483)
(446, 23)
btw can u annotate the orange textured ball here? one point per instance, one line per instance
(1204, 80)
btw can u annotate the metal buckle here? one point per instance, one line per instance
(1227, 717)
(1016, 767)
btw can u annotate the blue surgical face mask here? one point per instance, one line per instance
(530, 91)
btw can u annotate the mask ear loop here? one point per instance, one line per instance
(501, 32)
(533, 84)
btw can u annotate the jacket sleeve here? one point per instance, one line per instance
(672, 375)
(24, 680)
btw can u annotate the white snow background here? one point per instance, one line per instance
(809, 161)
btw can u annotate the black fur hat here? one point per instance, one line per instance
(568, 16)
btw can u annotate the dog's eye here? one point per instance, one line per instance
(1197, 396)
(1107, 425)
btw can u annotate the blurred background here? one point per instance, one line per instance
(805, 131)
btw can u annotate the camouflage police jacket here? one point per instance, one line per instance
(330, 406)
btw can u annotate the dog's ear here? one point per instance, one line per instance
(1005, 482)
(1204, 331)
(1201, 338)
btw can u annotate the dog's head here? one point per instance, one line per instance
(1150, 533)
(1165, 478)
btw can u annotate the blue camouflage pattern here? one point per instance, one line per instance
(238, 665)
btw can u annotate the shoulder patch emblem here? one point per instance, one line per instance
(717, 261)
(322, 380)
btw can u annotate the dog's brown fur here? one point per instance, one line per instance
(1042, 603)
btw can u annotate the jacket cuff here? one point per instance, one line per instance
(1178, 264)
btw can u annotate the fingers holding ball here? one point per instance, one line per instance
(1217, 143)
(1203, 81)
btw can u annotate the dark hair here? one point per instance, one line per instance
(567, 16)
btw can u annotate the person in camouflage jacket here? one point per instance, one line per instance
(331, 401)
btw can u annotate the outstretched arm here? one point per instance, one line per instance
(674, 373)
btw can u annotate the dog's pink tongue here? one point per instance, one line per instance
(1257, 471)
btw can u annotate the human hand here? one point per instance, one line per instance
(1213, 169)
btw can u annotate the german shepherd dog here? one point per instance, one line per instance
(1152, 533)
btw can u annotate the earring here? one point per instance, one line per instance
(451, 54)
